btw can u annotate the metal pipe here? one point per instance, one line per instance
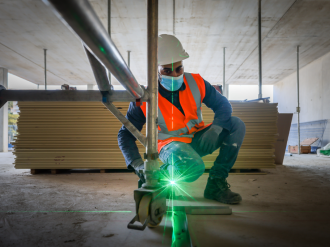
(129, 59)
(101, 78)
(134, 131)
(259, 44)
(151, 164)
(224, 75)
(82, 19)
(45, 67)
(100, 73)
(298, 107)
(173, 17)
(109, 31)
(66, 95)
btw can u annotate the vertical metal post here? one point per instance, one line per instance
(224, 88)
(38, 87)
(298, 107)
(151, 164)
(129, 59)
(259, 44)
(109, 31)
(45, 66)
(173, 17)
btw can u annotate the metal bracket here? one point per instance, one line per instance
(153, 156)
(298, 109)
(138, 102)
(105, 95)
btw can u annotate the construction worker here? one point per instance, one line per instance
(183, 138)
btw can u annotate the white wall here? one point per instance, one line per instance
(314, 91)
(249, 92)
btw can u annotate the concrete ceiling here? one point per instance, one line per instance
(203, 26)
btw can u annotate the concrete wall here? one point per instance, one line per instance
(314, 91)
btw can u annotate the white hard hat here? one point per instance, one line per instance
(170, 50)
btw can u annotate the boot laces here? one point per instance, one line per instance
(223, 184)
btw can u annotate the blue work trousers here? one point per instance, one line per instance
(184, 160)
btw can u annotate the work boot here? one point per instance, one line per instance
(218, 189)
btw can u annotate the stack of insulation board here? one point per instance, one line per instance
(68, 135)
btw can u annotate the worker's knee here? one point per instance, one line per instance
(238, 124)
(191, 171)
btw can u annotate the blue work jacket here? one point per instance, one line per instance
(213, 99)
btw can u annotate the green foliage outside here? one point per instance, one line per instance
(12, 122)
(12, 118)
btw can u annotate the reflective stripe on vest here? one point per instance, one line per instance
(164, 133)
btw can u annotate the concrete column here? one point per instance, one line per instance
(90, 86)
(4, 114)
(226, 91)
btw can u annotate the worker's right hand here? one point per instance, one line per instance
(138, 166)
(209, 139)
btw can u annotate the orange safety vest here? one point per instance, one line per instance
(172, 124)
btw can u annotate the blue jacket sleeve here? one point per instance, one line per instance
(219, 104)
(126, 140)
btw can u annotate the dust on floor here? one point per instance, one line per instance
(287, 207)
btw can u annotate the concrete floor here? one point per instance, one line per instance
(287, 207)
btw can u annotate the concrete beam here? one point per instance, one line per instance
(4, 114)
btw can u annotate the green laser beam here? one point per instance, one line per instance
(280, 211)
(65, 211)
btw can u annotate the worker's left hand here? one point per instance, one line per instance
(209, 139)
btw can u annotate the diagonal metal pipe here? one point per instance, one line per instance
(79, 16)
(102, 81)
(99, 72)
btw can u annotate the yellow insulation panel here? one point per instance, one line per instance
(68, 135)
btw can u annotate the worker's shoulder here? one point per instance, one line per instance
(196, 76)
(193, 74)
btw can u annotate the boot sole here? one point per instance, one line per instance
(238, 199)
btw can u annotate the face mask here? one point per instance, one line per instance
(171, 83)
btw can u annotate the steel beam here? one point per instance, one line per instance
(100, 73)
(260, 51)
(109, 31)
(129, 59)
(82, 19)
(65, 95)
(151, 164)
(101, 78)
(45, 67)
(173, 17)
(298, 103)
(224, 87)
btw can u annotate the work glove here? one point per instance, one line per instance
(208, 141)
(138, 165)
